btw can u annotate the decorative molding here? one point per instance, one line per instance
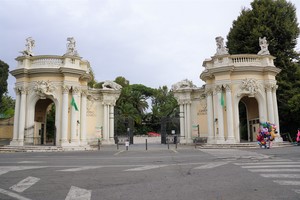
(44, 88)
(249, 86)
(184, 84)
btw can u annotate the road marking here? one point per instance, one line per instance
(174, 151)
(143, 168)
(77, 193)
(211, 165)
(5, 169)
(270, 166)
(280, 182)
(274, 170)
(269, 163)
(22, 162)
(297, 191)
(79, 169)
(280, 175)
(14, 195)
(119, 152)
(24, 184)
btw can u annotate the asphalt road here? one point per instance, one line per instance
(159, 173)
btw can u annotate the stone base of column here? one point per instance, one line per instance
(83, 142)
(230, 140)
(109, 141)
(16, 143)
(211, 140)
(220, 141)
(278, 139)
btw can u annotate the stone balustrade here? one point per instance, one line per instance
(239, 60)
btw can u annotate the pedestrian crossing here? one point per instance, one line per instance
(283, 172)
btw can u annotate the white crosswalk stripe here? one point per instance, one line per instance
(282, 172)
(24, 184)
(211, 165)
(143, 168)
(79, 169)
(77, 193)
(5, 169)
(233, 153)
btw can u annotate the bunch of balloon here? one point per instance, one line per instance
(266, 134)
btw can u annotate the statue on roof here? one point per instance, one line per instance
(71, 47)
(30, 44)
(221, 49)
(263, 46)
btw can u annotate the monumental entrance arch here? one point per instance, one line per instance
(212, 111)
(82, 115)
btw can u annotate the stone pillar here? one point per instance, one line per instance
(270, 103)
(111, 122)
(74, 138)
(83, 118)
(220, 136)
(182, 120)
(14, 141)
(276, 122)
(230, 133)
(22, 117)
(210, 116)
(105, 123)
(188, 122)
(64, 115)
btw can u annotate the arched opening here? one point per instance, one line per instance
(249, 119)
(44, 120)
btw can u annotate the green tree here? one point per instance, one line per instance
(276, 20)
(7, 106)
(3, 78)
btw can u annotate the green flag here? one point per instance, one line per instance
(222, 100)
(73, 103)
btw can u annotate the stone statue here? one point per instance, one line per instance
(30, 44)
(43, 88)
(111, 85)
(221, 49)
(263, 46)
(184, 84)
(71, 47)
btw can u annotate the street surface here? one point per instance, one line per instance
(156, 174)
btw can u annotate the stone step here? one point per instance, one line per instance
(42, 148)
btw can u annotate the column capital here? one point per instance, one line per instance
(218, 88)
(22, 90)
(269, 86)
(65, 89)
(228, 87)
(75, 90)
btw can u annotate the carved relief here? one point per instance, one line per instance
(249, 86)
(184, 84)
(91, 106)
(111, 85)
(43, 88)
(203, 107)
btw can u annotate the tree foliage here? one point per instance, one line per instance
(7, 106)
(276, 20)
(3, 78)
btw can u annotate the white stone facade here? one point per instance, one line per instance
(42, 80)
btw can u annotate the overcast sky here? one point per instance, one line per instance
(151, 42)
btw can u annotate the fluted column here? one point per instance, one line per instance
(14, 142)
(220, 137)
(188, 121)
(105, 123)
(83, 118)
(230, 133)
(276, 122)
(64, 115)
(111, 121)
(22, 116)
(210, 116)
(74, 138)
(182, 119)
(270, 103)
